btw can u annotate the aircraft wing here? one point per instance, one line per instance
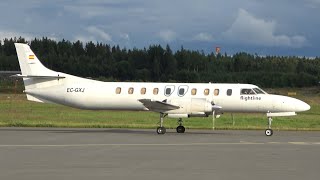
(157, 106)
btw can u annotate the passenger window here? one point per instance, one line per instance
(194, 91)
(130, 90)
(229, 92)
(155, 91)
(206, 92)
(143, 90)
(168, 90)
(216, 92)
(118, 90)
(182, 90)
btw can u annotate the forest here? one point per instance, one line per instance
(160, 64)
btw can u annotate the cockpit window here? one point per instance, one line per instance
(247, 91)
(259, 91)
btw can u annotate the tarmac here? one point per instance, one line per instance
(88, 154)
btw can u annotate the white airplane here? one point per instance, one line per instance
(175, 100)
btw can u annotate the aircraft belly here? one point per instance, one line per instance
(52, 94)
(87, 101)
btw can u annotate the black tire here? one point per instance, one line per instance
(161, 130)
(268, 132)
(180, 129)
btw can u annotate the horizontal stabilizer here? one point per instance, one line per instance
(9, 72)
(281, 114)
(157, 106)
(39, 77)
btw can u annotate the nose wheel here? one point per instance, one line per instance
(269, 131)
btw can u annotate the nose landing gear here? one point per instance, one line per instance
(269, 131)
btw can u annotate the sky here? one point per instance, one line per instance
(263, 27)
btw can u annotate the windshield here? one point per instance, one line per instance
(247, 91)
(259, 91)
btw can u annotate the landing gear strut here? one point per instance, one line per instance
(180, 128)
(269, 131)
(161, 129)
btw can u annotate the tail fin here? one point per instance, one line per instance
(29, 63)
(34, 73)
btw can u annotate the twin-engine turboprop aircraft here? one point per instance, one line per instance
(175, 100)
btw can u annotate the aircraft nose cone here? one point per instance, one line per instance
(301, 106)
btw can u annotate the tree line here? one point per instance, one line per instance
(160, 64)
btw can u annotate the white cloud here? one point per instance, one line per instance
(101, 8)
(195, 25)
(27, 36)
(125, 36)
(94, 34)
(99, 33)
(167, 35)
(12, 34)
(203, 37)
(248, 29)
(86, 12)
(85, 39)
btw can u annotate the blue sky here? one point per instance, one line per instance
(265, 27)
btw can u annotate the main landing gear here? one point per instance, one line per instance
(180, 128)
(162, 129)
(269, 131)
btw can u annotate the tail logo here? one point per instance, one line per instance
(31, 57)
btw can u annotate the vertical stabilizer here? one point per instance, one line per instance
(29, 63)
(33, 71)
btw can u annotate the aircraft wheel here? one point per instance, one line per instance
(181, 129)
(161, 130)
(268, 132)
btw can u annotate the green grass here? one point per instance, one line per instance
(16, 111)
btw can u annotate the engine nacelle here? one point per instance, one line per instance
(187, 115)
(178, 115)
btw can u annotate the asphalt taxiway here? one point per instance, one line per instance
(51, 153)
